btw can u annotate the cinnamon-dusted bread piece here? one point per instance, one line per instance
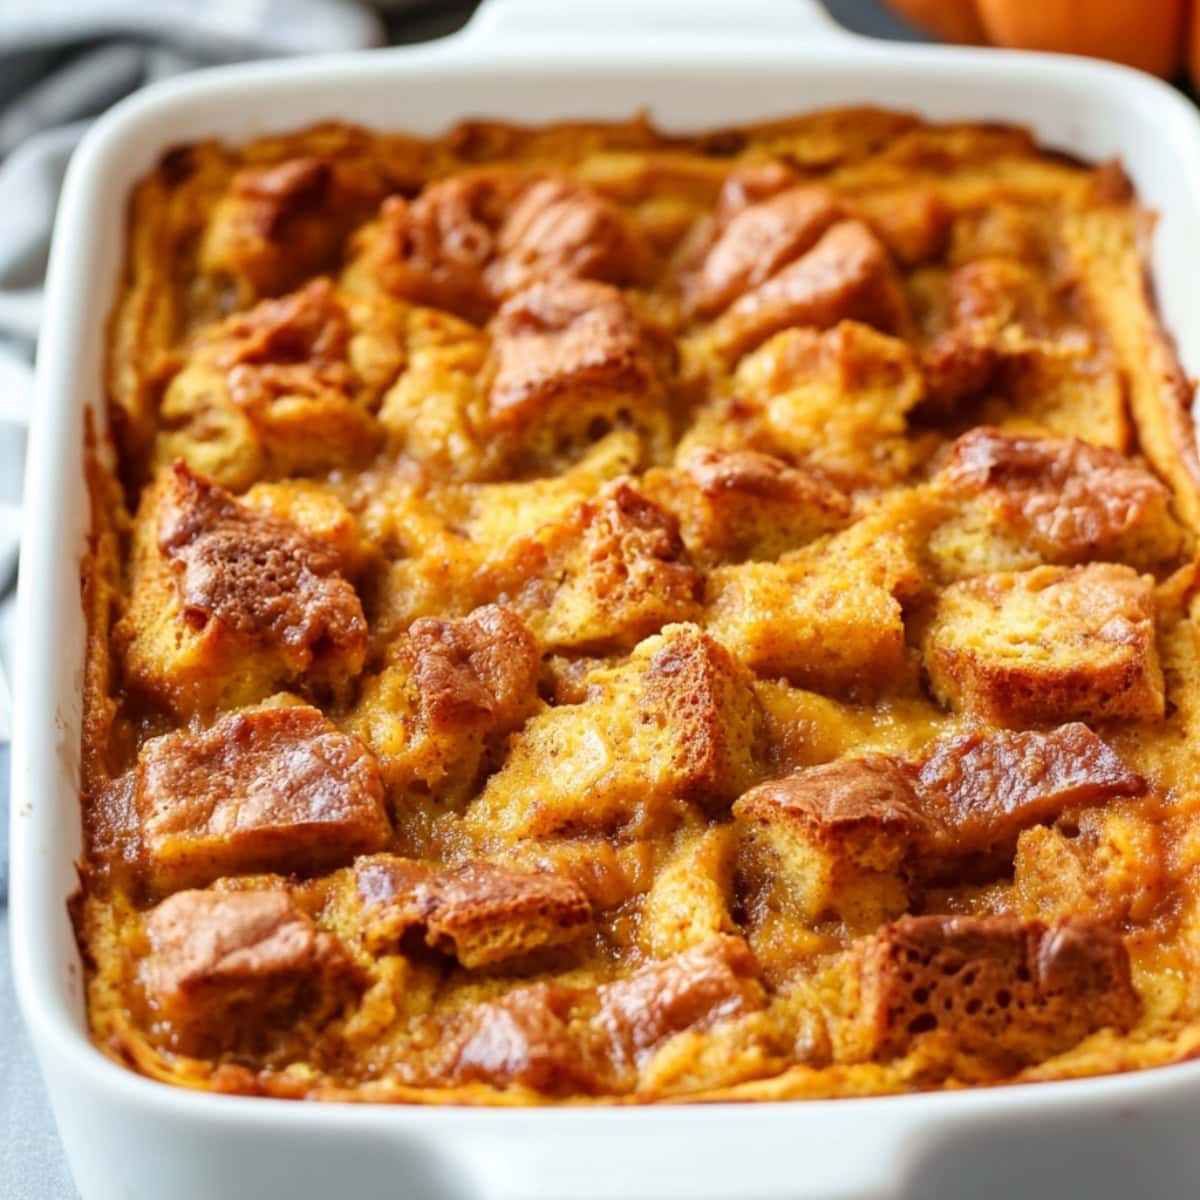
(558, 1039)
(858, 838)
(756, 242)
(278, 223)
(985, 996)
(451, 692)
(468, 242)
(1049, 644)
(1026, 499)
(556, 228)
(526, 1037)
(691, 899)
(986, 788)
(837, 398)
(572, 360)
(833, 840)
(271, 392)
(846, 275)
(734, 505)
(480, 913)
(228, 605)
(275, 788)
(679, 724)
(435, 249)
(227, 969)
(617, 571)
(829, 617)
(712, 982)
(1111, 862)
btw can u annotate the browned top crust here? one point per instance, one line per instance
(874, 789)
(1066, 496)
(205, 938)
(468, 242)
(1048, 644)
(762, 477)
(439, 245)
(478, 671)
(480, 913)
(555, 1038)
(252, 573)
(961, 805)
(711, 982)
(649, 566)
(267, 789)
(988, 787)
(557, 228)
(282, 190)
(994, 988)
(305, 327)
(564, 335)
(757, 241)
(524, 1038)
(693, 686)
(279, 223)
(846, 275)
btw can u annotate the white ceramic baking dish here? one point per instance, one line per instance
(691, 63)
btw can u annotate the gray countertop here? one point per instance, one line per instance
(32, 1166)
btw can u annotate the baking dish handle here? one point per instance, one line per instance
(518, 22)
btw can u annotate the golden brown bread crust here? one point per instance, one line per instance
(480, 913)
(688, 559)
(263, 789)
(992, 988)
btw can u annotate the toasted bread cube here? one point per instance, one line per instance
(1061, 500)
(269, 789)
(757, 241)
(1111, 865)
(435, 411)
(227, 968)
(269, 393)
(228, 605)
(690, 899)
(846, 275)
(984, 996)
(734, 505)
(678, 724)
(556, 228)
(434, 250)
(914, 223)
(321, 515)
(850, 838)
(278, 224)
(624, 574)
(986, 788)
(833, 840)
(1069, 392)
(480, 913)
(452, 691)
(527, 1038)
(1053, 643)
(467, 242)
(838, 398)
(828, 619)
(710, 983)
(571, 362)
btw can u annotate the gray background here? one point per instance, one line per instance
(32, 1166)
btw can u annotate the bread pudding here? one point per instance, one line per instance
(584, 614)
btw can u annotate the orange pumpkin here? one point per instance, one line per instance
(1155, 35)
